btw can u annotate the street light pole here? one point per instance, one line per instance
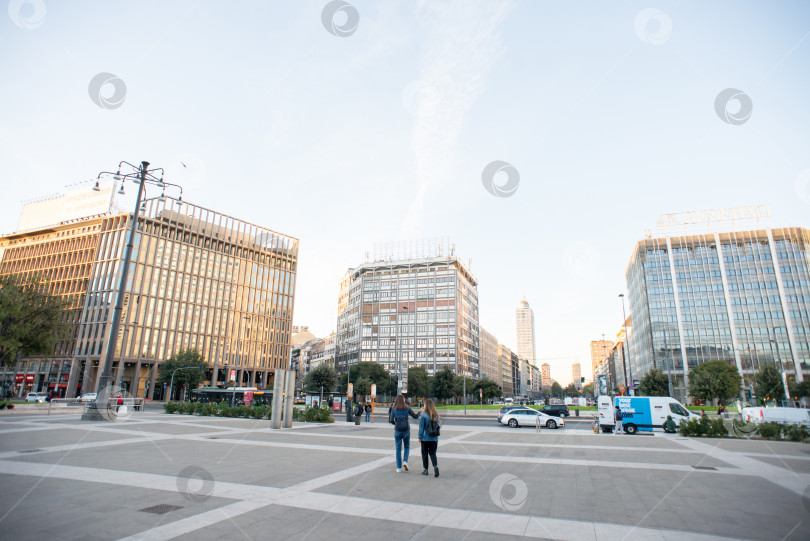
(142, 175)
(781, 367)
(627, 345)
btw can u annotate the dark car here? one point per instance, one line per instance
(557, 410)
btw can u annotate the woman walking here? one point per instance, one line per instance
(429, 436)
(398, 416)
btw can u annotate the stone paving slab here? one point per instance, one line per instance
(662, 457)
(790, 464)
(338, 482)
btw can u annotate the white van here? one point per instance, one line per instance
(798, 416)
(508, 401)
(641, 413)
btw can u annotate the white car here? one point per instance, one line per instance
(529, 417)
(89, 397)
(36, 397)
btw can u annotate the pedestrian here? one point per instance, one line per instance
(702, 413)
(398, 416)
(669, 425)
(331, 403)
(358, 413)
(618, 427)
(429, 429)
(368, 412)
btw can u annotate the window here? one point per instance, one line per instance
(678, 409)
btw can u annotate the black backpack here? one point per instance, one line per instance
(433, 428)
(400, 422)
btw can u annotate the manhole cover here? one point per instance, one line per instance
(705, 468)
(31, 451)
(161, 509)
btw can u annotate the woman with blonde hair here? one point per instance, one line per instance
(398, 416)
(429, 428)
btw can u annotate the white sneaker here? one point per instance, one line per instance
(405, 466)
(399, 470)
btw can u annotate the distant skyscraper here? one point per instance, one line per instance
(546, 369)
(599, 352)
(576, 374)
(524, 319)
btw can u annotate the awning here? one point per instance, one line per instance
(19, 378)
(29, 378)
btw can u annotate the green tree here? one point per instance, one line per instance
(188, 360)
(418, 381)
(587, 389)
(322, 375)
(654, 383)
(363, 386)
(32, 320)
(714, 380)
(444, 383)
(556, 389)
(768, 383)
(572, 390)
(488, 387)
(800, 389)
(369, 370)
(459, 386)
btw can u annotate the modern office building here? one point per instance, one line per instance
(524, 323)
(599, 351)
(576, 374)
(410, 312)
(742, 297)
(197, 279)
(488, 363)
(546, 374)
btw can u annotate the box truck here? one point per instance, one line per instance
(640, 413)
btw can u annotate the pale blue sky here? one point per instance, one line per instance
(382, 135)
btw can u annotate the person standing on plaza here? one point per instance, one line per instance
(368, 412)
(429, 427)
(618, 427)
(398, 416)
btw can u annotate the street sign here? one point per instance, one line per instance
(233, 375)
(374, 390)
(350, 391)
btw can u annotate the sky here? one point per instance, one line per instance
(352, 124)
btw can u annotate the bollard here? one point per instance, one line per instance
(576, 413)
(278, 388)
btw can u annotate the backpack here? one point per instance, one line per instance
(400, 422)
(433, 428)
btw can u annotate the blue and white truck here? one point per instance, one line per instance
(640, 413)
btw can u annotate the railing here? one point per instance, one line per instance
(128, 404)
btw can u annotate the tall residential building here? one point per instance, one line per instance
(524, 323)
(741, 297)
(576, 374)
(420, 312)
(197, 279)
(489, 358)
(599, 351)
(509, 364)
(546, 374)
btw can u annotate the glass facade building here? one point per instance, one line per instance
(418, 312)
(197, 279)
(742, 297)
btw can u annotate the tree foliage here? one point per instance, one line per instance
(654, 383)
(768, 383)
(572, 390)
(801, 389)
(714, 380)
(371, 371)
(556, 389)
(188, 359)
(31, 319)
(459, 385)
(587, 389)
(444, 384)
(488, 387)
(362, 386)
(418, 381)
(322, 375)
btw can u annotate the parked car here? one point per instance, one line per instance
(505, 410)
(529, 417)
(799, 416)
(89, 397)
(498, 403)
(36, 397)
(557, 410)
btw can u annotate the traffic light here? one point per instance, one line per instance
(582, 379)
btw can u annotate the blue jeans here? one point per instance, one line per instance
(368, 416)
(399, 438)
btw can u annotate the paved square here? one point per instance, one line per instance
(160, 476)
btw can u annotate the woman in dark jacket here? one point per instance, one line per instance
(398, 416)
(429, 443)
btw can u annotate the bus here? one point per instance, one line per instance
(234, 396)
